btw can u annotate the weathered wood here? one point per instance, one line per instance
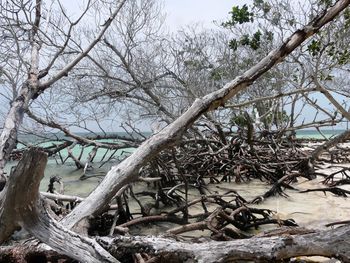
(66, 242)
(275, 189)
(21, 191)
(126, 171)
(21, 206)
(330, 243)
(32, 88)
(329, 144)
(14, 118)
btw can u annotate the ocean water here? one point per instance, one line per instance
(71, 175)
(314, 134)
(310, 209)
(78, 150)
(103, 154)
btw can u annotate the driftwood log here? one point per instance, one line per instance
(127, 171)
(22, 207)
(330, 243)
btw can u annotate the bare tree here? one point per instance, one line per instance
(31, 211)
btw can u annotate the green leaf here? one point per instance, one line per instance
(233, 44)
(314, 47)
(239, 15)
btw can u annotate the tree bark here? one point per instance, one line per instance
(21, 206)
(32, 88)
(126, 171)
(329, 243)
(329, 144)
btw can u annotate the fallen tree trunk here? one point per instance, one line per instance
(329, 144)
(21, 206)
(329, 243)
(77, 246)
(127, 171)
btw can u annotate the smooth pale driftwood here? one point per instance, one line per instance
(60, 197)
(126, 171)
(21, 206)
(21, 191)
(329, 144)
(330, 243)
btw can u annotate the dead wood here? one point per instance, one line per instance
(152, 219)
(344, 178)
(329, 144)
(126, 171)
(24, 253)
(22, 207)
(345, 222)
(334, 190)
(275, 189)
(329, 243)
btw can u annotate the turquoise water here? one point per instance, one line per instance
(84, 152)
(71, 175)
(122, 153)
(315, 212)
(314, 134)
(101, 156)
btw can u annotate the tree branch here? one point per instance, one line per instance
(127, 171)
(84, 53)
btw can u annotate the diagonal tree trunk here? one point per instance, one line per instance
(341, 137)
(315, 154)
(127, 171)
(29, 212)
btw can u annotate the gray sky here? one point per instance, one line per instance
(184, 12)
(180, 13)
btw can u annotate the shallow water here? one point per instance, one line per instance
(70, 177)
(312, 210)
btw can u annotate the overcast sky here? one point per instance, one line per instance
(180, 13)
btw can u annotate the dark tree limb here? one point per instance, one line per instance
(334, 190)
(275, 189)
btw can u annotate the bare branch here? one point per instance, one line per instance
(84, 53)
(127, 171)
